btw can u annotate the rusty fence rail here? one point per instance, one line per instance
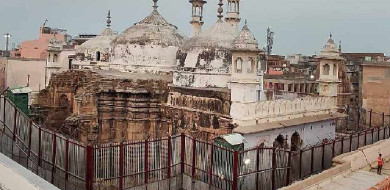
(176, 162)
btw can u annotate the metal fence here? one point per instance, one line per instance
(178, 162)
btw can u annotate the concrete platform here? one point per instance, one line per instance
(15, 177)
(359, 180)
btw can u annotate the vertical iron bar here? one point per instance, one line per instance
(14, 134)
(193, 157)
(211, 165)
(235, 170)
(183, 149)
(370, 118)
(300, 163)
(146, 161)
(350, 143)
(312, 160)
(358, 140)
(323, 157)
(53, 158)
(67, 161)
(121, 165)
(365, 138)
(29, 142)
(257, 167)
(273, 168)
(39, 147)
(169, 160)
(333, 148)
(288, 168)
(90, 168)
(372, 135)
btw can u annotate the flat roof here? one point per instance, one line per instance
(261, 127)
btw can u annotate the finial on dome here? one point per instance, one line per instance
(330, 35)
(246, 22)
(155, 6)
(220, 10)
(109, 19)
(340, 47)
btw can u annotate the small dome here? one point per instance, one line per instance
(152, 30)
(99, 43)
(246, 40)
(220, 36)
(330, 50)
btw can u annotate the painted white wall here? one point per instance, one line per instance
(311, 134)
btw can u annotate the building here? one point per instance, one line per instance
(354, 72)
(37, 49)
(151, 81)
(376, 86)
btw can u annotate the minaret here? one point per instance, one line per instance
(246, 85)
(52, 62)
(197, 16)
(330, 63)
(233, 12)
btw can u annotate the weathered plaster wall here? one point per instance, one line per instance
(268, 111)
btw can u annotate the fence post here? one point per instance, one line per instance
(235, 170)
(193, 157)
(14, 134)
(372, 135)
(312, 160)
(273, 168)
(29, 142)
(39, 147)
(146, 161)
(53, 158)
(370, 118)
(257, 167)
(288, 169)
(350, 143)
(211, 165)
(333, 148)
(5, 101)
(323, 157)
(169, 157)
(90, 168)
(365, 138)
(383, 120)
(342, 145)
(67, 161)
(183, 150)
(300, 163)
(358, 121)
(121, 165)
(358, 140)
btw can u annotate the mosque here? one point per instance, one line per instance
(151, 81)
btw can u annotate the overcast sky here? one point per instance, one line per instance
(301, 26)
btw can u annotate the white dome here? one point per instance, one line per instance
(101, 43)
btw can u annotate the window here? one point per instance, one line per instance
(334, 69)
(48, 58)
(326, 69)
(55, 57)
(250, 65)
(239, 65)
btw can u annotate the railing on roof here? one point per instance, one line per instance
(178, 162)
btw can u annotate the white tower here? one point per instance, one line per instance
(330, 63)
(246, 83)
(233, 12)
(197, 16)
(53, 64)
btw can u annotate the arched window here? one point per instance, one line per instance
(296, 142)
(334, 69)
(98, 56)
(279, 141)
(326, 69)
(48, 57)
(55, 57)
(250, 65)
(239, 65)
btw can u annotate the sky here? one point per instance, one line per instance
(300, 26)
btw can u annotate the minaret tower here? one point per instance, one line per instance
(330, 64)
(233, 12)
(52, 63)
(246, 83)
(197, 16)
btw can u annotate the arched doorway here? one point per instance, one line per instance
(279, 141)
(63, 101)
(98, 56)
(296, 142)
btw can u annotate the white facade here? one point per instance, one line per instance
(310, 134)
